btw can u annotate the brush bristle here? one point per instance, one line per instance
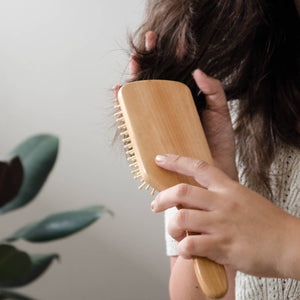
(129, 150)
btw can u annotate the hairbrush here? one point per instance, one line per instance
(156, 117)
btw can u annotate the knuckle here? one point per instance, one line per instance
(189, 245)
(220, 220)
(174, 231)
(199, 165)
(181, 217)
(182, 190)
(229, 206)
(232, 205)
(176, 158)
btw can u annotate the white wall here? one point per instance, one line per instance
(58, 61)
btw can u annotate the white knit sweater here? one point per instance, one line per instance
(285, 173)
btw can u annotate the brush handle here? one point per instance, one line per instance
(211, 277)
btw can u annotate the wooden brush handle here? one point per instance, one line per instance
(211, 277)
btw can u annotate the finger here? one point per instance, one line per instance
(188, 196)
(150, 40)
(116, 89)
(208, 176)
(189, 220)
(203, 245)
(213, 90)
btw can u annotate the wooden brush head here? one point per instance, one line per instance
(160, 117)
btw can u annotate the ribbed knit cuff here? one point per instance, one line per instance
(171, 244)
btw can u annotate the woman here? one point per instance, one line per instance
(246, 50)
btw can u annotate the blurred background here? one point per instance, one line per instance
(59, 60)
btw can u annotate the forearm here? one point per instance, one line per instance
(183, 282)
(290, 259)
(184, 285)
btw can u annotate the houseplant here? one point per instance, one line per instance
(23, 172)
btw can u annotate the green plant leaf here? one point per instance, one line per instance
(40, 263)
(11, 177)
(38, 155)
(14, 264)
(13, 295)
(59, 225)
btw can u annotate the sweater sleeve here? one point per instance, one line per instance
(285, 185)
(171, 244)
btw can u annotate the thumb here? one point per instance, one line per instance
(213, 90)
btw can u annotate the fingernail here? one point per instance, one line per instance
(160, 158)
(198, 71)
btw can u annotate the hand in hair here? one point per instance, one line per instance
(235, 226)
(217, 124)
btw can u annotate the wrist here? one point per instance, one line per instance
(290, 256)
(233, 173)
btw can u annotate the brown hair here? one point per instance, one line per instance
(252, 46)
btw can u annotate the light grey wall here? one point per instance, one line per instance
(58, 61)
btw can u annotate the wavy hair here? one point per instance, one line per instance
(251, 46)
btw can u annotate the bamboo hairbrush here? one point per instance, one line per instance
(156, 117)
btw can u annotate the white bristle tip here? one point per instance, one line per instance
(124, 133)
(132, 158)
(130, 152)
(135, 171)
(117, 114)
(133, 165)
(142, 185)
